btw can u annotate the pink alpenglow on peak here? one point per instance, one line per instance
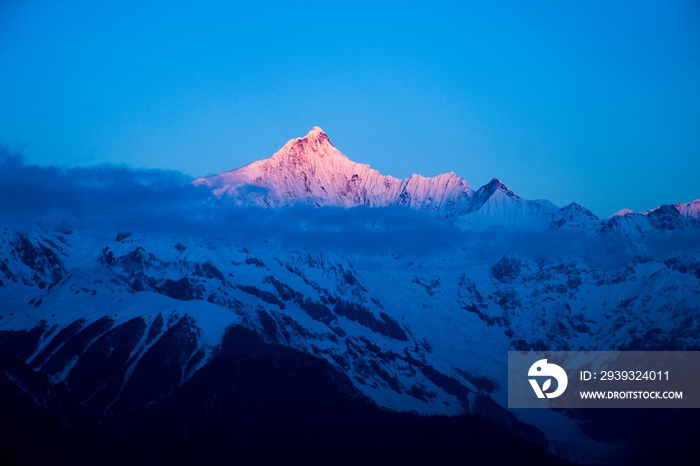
(690, 209)
(622, 213)
(311, 170)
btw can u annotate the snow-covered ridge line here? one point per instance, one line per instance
(311, 170)
(688, 209)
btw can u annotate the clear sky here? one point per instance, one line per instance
(592, 102)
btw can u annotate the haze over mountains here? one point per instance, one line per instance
(157, 312)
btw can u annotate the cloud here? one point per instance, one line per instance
(107, 199)
(110, 198)
(105, 196)
(357, 230)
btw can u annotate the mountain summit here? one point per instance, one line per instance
(311, 170)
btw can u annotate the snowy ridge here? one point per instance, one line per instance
(690, 209)
(622, 212)
(494, 205)
(575, 216)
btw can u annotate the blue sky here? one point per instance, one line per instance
(592, 102)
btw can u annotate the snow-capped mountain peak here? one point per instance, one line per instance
(496, 186)
(689, 209)
(315, 144)
(315, 136)
(494, 189)
(622, 212)
(311, 170)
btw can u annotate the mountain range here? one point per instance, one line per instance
(382, 302)
(310, 170)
